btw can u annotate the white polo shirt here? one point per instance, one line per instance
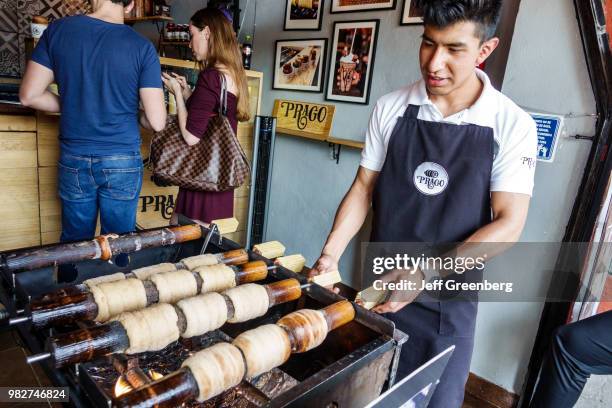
(513, 129)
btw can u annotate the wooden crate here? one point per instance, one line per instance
(156, 204)
(48, 140)
(19, 208)
(17, 123)
(17, 150)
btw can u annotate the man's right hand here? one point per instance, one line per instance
(325, 263)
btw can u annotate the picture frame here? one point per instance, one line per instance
(411, 15)
(350, 6)
(351, 61)
(299, 65)
(303, 18)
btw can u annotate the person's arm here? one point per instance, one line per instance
(150, 89)
(153, 114)
(349, 218)
(34, 91)
(181, 111)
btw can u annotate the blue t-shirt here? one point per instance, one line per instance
(99, 68)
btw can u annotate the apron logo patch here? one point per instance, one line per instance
(430, 178)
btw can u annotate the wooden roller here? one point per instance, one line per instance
(263, 348)
(127, 333)
(270, 250)
(102, 247)
(81, 303)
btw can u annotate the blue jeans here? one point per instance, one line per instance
(110, 184)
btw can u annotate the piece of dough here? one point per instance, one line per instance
(106, 278)
(116, 297)
(216, 278)
(200, 260)
(216, 369)
(203, 313)
(250, 301)
(270, 249)
(294, 263)
(150, 329)
(264, 348)
(147, 271)
(308, 329)
(174, 286)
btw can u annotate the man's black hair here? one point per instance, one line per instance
(443, 13)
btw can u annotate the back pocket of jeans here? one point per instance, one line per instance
(123, 184)
(68, 182)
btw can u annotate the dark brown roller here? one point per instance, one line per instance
(87, 344)
(235, 257)
(251, 272)
(170, 391)
(63, 307)
(102, 247)
(338, 314)
(283, 291)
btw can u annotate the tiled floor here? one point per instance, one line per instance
(16, 372)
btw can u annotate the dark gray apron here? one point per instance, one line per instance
(434, 188)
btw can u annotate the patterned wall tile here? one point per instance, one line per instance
(52, 9)
(74, 7)
(8, 15)
(26, 9)
(22, 54)
(10, 63)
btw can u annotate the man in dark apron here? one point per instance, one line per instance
(447, 160)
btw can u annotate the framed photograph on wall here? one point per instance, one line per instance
(347, 6)
(352, 61)
(299, 65)
(411, 13)
(303, 14)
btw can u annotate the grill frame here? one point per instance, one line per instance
(328, 384)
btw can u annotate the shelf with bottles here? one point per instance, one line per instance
(175, 43)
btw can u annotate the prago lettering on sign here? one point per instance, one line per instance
(304, 113)
(163, 204)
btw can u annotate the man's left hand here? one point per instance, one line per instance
(400, 298)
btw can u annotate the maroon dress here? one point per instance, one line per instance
(201, 106)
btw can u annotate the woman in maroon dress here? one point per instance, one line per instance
(214, 45)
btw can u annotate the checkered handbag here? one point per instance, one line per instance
(216, 163)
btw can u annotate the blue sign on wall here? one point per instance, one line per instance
(548, 133)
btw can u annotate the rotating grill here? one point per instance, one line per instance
(351, 368)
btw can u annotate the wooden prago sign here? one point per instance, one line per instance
(303, 119)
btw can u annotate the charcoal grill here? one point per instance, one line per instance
(351, 368)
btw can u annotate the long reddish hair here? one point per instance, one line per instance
(223, 50)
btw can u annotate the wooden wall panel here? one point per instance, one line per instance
(17, 123)
(48, 140)
(17, 150)
(19, 208)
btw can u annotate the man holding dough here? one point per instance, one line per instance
(447, 159)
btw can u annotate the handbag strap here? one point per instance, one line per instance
(223, 101)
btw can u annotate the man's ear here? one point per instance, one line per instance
(486, 49)
(128, 9)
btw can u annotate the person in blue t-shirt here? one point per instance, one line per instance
(104, 70)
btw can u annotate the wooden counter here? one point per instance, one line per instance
(19, 180)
